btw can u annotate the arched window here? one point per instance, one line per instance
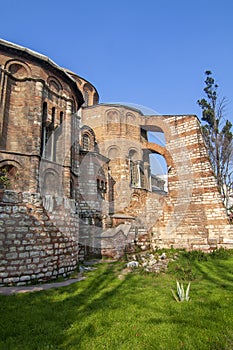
(8, 177)
(95, 99)
(53, 115)
(43, 136)
(48, 146)
(159, 173)
(51, 183)
(61, 117)
(86, 142)
(72, 192)
(135, 174)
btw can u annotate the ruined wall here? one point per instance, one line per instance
(101, 175)
(194, 215)
(38, 241)
(191, 215)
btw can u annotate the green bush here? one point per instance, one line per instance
(195, 255)
(4, 179)
(221, 253)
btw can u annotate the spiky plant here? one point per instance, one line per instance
(181, 294)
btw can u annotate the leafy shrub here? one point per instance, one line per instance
(195, 255)
(221, 253)
(182, 270)
(4, 179)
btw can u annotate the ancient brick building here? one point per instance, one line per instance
(77, 177)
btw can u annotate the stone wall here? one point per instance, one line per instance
(194, 216)
(44, 149)
(191, 215)
(38, 241)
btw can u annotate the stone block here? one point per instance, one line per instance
(11, 256)
(24, 278)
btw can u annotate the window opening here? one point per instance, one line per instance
(86, 142)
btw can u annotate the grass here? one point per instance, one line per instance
(136, 311)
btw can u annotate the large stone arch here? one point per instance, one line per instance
(160, 123)
(160, 150)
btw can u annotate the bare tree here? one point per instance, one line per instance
(218, 137)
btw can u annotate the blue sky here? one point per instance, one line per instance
(152, 52)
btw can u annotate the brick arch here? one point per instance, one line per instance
(160, 150)
(113, 152)
(74, 105)
(113, 121)
(130, 118)
(88, 87)
(10, 162)
(12, 171)
(87, 94)
(54, 84)
(113, 115)
(51, 183)
(134, 154)
(161, 123)
(86, 131)
(95, 99)
(131, 123)
(18, 69)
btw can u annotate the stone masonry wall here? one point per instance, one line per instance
(192, 214)
(37, 242)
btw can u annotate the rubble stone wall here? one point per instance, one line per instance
(38, 241)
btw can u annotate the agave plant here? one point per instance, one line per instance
(181, 294)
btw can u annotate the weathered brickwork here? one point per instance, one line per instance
(39, 126)
(77, 181)
(191, 215)
(36, 244)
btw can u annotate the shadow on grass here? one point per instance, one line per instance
(105, 312)
(217, 273)
(51, 319)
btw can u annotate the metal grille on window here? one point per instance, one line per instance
(86, 142)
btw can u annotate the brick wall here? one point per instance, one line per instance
(192, 214)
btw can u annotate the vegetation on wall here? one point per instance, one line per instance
(4, 178)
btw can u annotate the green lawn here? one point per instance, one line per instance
(137, 311)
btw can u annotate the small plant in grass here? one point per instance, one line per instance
(181, 294)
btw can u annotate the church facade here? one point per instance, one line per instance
(78, 177)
